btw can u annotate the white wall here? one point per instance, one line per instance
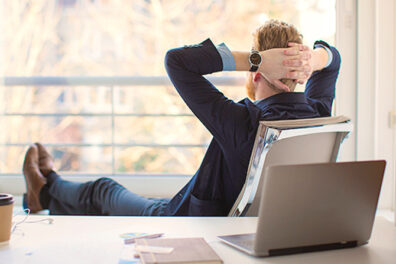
(366, 88)
(385, 89)
(394, 114)
(375, 88)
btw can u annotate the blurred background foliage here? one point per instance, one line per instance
(118, 129)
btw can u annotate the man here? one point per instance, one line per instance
(274, 69)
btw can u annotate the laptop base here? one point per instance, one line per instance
(245, 243)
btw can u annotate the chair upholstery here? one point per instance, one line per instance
(289, 142)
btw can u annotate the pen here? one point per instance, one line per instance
(132, 240)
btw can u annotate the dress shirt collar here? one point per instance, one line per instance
(287, 98)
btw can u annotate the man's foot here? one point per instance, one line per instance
(34, 179)
(46, 162)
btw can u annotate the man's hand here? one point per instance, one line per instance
(309, 67)
(290, 63)
(318, 59)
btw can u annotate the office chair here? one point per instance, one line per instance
(285, 142)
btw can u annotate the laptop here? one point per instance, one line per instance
(314, 207)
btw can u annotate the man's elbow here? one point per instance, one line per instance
(172, 59)
(336, 63)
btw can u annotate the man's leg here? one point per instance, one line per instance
(33, 178)
(101, 197)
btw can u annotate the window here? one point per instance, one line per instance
(86, 78)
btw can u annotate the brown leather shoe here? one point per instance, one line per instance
(46, 162)
(34, 179)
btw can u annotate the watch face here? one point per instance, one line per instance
(255, 58)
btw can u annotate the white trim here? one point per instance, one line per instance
(394, 111)
(375, 68)
(365, 39)
(384, 85)
(150, 186)
(366, 79)
(345, 103)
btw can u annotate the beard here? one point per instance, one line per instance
(250, 88)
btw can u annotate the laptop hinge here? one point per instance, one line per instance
(296, 250)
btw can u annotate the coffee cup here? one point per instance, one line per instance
(6, 206)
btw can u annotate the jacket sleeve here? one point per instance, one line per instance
(320, 88)
(221, 116)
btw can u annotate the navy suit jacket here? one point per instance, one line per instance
(215, 186)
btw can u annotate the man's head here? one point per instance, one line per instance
(273, 34)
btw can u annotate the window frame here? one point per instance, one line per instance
(137, 182)
(376, 65)
(366, 40)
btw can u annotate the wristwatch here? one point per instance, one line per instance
(254, 60)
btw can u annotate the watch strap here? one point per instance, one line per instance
(253, 68)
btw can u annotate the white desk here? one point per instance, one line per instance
(74, 239)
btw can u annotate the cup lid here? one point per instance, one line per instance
(6, 199)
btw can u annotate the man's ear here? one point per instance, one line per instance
(257, 76)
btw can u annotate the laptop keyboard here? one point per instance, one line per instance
(244, 240)
(248, 243)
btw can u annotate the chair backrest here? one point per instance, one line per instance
(289, 142)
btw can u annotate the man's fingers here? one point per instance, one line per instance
(307, 69)
(296, 54)
(301, 47)
(280, 85)
(297, 75)
(292, 75)
(293, 44)
(291, 51)
(304, 69)
(293, 63)
(306, 55)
